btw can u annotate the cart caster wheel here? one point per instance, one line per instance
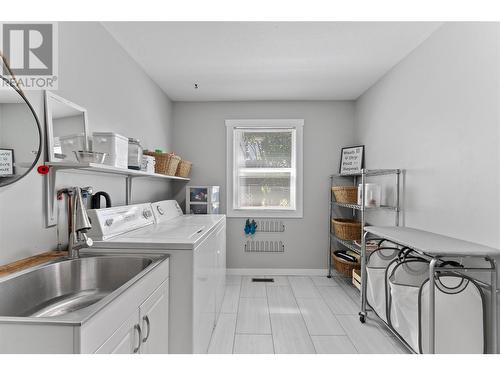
(362, 318)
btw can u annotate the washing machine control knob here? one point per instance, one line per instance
(108, 222)
(147, 214)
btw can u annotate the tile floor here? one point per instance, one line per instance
(296, 314)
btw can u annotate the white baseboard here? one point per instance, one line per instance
(277, 271)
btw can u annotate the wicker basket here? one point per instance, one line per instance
(346, 229)
(345, 194)
(166, 163)
(184, 168)
(343, 266)
(161, 161)
(173, 163)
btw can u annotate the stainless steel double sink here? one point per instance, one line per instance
(72, 288)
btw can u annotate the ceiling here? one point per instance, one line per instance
(268, 60)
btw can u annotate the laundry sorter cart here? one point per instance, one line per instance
(459, 307)
(434, 302)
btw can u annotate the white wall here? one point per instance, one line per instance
(199, 133)
(436, 114)
(96, 73)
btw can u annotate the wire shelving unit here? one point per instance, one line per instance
(359, 210)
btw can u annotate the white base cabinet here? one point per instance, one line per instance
(135, 322)
(145, 331)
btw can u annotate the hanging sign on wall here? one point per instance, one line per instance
(352, 160)
(6, 162)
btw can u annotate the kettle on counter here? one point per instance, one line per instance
(96, 200)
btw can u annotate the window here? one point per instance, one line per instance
(264, 168)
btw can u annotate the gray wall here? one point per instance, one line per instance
(436, 114)
(96, 73)
(199, 133)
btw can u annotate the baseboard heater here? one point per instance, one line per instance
(270, 226)
(264, 246)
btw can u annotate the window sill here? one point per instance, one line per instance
(278, 214)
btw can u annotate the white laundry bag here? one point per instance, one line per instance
(460, 316)
(459, 309)
(378, 263)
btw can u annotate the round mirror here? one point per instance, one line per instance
(20, 134)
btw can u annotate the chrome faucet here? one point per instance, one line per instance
(78, 220)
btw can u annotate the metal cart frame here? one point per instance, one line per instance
(451, 248)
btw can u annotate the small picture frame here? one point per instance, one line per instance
(6, 162)
(352, 160)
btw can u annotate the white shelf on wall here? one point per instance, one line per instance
(103, 168)
(92, 168)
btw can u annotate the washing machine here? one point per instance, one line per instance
(197, 248)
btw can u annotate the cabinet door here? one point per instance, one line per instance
(154, 321)
(125, 340)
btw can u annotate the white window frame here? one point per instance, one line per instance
(231, 175)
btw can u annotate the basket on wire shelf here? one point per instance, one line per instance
(343, 265)
(345, 194)
(346, 229)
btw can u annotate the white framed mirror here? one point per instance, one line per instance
(67, 128)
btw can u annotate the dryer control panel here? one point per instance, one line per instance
(166, 210)
(110, 222)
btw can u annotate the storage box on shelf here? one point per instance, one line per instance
(114, 145)
(148, 164)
